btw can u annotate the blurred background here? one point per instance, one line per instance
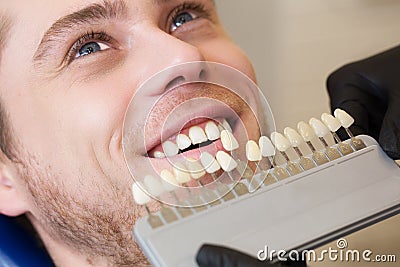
(294, 45)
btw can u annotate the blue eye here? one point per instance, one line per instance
(91, 47)
(181, 19)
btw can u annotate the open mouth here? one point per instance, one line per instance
(195, 134)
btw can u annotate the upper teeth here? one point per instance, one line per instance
(212, 131)
(183, 141)
(197, 136)
(170, 148)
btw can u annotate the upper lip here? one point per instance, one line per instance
(214, 111)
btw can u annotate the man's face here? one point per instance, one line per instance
(68, 73)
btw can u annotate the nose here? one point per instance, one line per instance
(169, 56)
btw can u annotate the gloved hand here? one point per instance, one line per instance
(218, 256)
(369, 90)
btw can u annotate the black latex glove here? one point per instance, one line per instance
(369, 90)
(218, 256)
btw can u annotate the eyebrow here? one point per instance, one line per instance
(92, 14)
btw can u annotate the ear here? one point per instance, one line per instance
(12, 202)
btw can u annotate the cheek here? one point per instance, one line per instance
(226, 52)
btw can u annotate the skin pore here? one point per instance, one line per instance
(68, 71)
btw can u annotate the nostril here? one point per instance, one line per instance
(175, 82)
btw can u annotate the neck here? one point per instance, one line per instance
(64, 255)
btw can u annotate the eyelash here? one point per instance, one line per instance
(86, 38)
(188, 6)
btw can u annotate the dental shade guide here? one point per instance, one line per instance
(321, 130)
(235, 215)
(283, 144)
(296, 140)
(346, 121)
(334, 125)
(308, 134)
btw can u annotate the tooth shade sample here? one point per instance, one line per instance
(253, 152)
(266, 147)
(195, 168)
(331, 122)
(209, 162)
(183, 141)
(197, 135)
(281, 142)
(305, 131)
(153, 186)
(293, 136)
(212, 131)
(319, 128)
(345, 119)
(226, 126)
(140, 197)
(229, 142)
(159, 155)
(181, 173)
(169, 181)
(226, 162)
(170, 149)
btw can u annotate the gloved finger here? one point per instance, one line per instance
(389, 137)
(218, 256)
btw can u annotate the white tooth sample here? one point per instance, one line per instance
(331, 122)
(140, 197)
(159, 155)
(266, 147)
(319, 128)
(212, 131)
(153, 186)
(209, 162)
(183, 141)
(197, 135)
(169, 181)
(226, 125)
(226, 162)
(345, 119)
(170, 148)
(195, 168)
(305, 131)
(229, 142)
(253, 152)
(281, 142)
(293, 136)
(181, 173)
